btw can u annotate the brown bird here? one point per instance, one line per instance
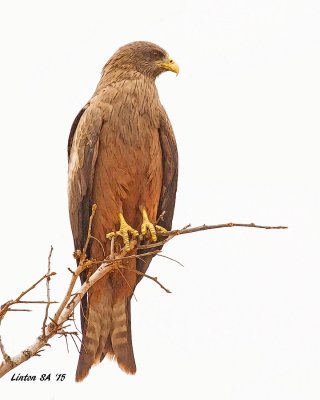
(123, 158)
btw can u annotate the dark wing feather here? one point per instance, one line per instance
(170, 172)
(169, 184)
(83, 146)
(74, 127)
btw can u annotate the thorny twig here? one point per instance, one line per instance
(37, 302)
(6, 306)
(48, 292)
(171, 234)
(153, 278)
(93, 211)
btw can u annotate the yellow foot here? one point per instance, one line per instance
(124, 231)
(148, 226)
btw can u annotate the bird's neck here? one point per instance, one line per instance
(111, 76)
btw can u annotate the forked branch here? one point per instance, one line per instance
(72, 298)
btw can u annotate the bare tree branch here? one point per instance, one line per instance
(37, 302)
(71, 299)
(171, 234)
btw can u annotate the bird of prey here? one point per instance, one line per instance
(122, 157)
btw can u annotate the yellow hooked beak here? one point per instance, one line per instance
(170, 65)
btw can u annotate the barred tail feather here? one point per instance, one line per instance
(121, 336)
(98, 324)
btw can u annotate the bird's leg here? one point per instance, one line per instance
(148, 226)
(124, 231)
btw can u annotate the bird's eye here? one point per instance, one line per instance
(171, 61)
(157, 54)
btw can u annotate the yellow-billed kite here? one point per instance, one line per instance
(123, 158)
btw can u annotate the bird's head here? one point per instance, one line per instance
(144, 57)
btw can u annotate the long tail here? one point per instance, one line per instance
(107, 331)
(97, 327)
(120, 335)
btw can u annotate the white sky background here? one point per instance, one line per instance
(243, 321)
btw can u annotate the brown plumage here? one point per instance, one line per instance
(122, 157)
